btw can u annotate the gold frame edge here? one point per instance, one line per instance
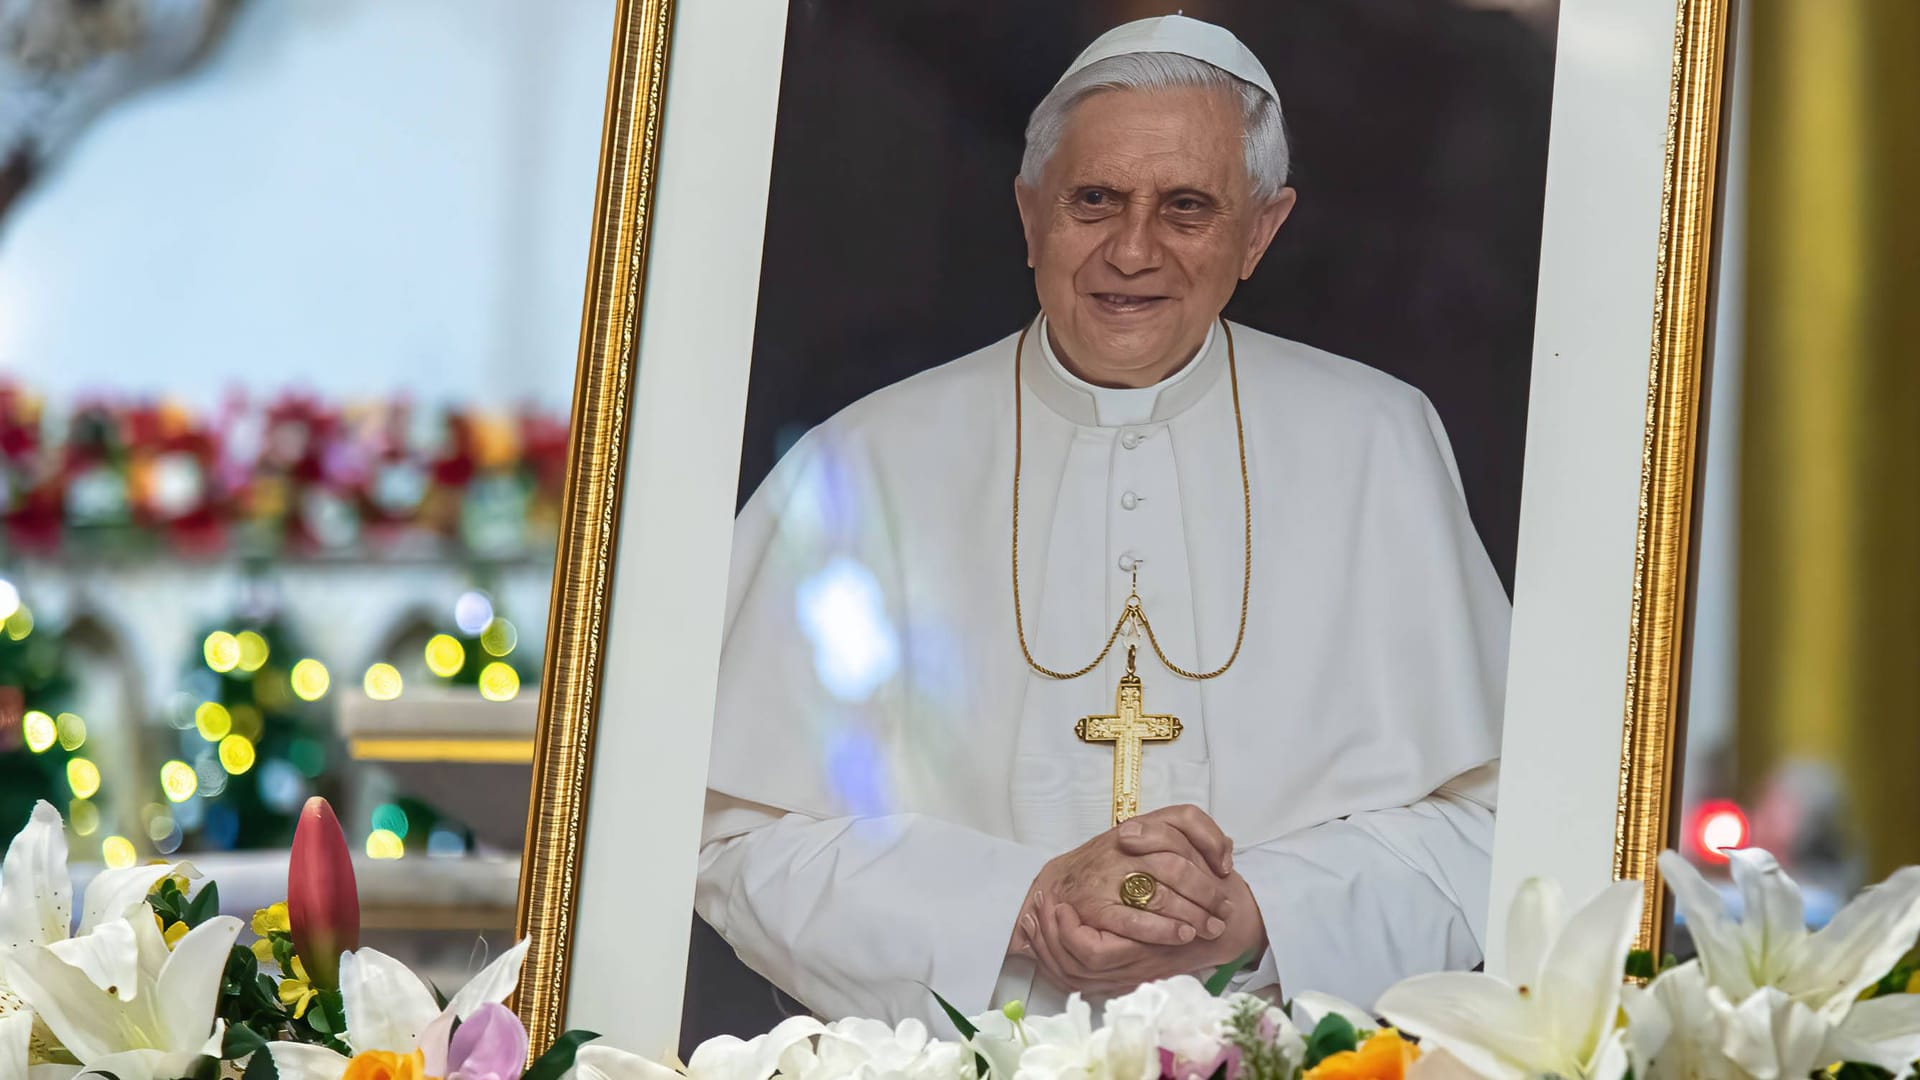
(590, 512)
(1663, 534)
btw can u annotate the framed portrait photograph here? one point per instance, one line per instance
(1069, 518)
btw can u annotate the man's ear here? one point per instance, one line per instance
(1027, 201)
(1265, 225)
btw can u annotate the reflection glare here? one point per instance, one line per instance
(842, 611)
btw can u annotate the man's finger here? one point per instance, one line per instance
(1142, 836)
(1195, 884)
(1148, 927)
(1203, 832)
(1095, 951)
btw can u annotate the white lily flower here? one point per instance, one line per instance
(388, 1008)
(871, 1050)
(1781, 995)
(36, 904)
(1066, 1047)
(163, 1010)
(721, 1058)
(1556, 1014)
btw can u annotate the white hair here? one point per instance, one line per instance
(1262, 129)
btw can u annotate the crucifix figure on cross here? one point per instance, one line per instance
(1128, 729)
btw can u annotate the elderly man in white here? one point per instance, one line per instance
(1136, 643)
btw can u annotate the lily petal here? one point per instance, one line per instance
(16, 1031)
(303, 1061)
(1580, 984)
(140, 1065)
(187, 994)
(494, 982)
(1438, 1064)
(1310, 1007)
(1537, 914)
(86, 1021)
(1884, 1031)
(1479, 1019)
(594, 1061)
(36, 895)
(1772, 1036)
(109, 955)
(387, 1006)
(1773, 919)
(112, 893)
(1859, 945)
(1716, 938)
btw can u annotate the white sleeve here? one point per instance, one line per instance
(865, 916)
(1355, 905)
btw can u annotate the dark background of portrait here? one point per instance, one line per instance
(1419, 138)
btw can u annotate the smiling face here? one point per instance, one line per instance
(1142, 224)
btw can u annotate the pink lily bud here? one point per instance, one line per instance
(323, 904)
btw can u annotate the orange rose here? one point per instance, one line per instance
(385, 1065)
(1384, 1056)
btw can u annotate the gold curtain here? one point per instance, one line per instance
(1830, 473)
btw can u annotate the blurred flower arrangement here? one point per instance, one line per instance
(292, 476)
(153, 985)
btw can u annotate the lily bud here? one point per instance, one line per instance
(323, 904)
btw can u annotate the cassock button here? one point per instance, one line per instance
(1130, 440)
(1129, 562)
(1129, 501)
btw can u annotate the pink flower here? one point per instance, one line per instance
(1173, 1068)
(491, 1044)
(323, 904)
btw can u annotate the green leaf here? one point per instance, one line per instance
(283, 953)
(1854, 1070)
(964, 1026)
(240, 1041)
(1223, 975)
(559, 1057)
(204, 905)
(261, 1068)
(1332, 1035)
(1640, 964)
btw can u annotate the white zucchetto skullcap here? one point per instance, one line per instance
(1202, 41)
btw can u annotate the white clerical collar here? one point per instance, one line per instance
(1122, 406)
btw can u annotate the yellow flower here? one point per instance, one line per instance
(268, 919)
(180, 883)
(1384, 1056)
(386, 1065)
(296, 990)
(172, 934)
(1913, 982)
(263, 951)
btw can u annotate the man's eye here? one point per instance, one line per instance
(1094, 198)
(1186, 206)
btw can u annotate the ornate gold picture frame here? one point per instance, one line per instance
(583, 571)
(1657, 652)
(624, 212)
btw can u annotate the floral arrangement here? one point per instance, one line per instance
(293, 474)
(153, 984)
(1766, 998)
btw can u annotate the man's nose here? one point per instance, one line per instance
(1134, 248)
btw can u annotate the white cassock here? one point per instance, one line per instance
(888, 776)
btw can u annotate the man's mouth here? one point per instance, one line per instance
(1126, 303)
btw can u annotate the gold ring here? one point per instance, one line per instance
(1137, 889)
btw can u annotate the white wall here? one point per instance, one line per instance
(356, 196)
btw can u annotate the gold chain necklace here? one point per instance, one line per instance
(1134, 611)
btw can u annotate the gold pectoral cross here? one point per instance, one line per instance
(1128, 729)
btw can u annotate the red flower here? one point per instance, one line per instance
(323, 905)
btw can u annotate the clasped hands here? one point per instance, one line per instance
(1075, 927)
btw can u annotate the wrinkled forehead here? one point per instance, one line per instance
(1170, 137)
